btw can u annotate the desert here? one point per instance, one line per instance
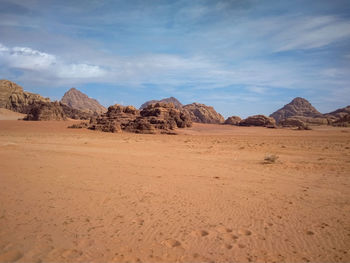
(204, 195)
(174, 131)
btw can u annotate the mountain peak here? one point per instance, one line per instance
(297, 107)
(76, 99)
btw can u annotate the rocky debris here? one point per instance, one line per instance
(157, 117)
(297, 107)
(233, 120)
(80, 101)
(13, 97)
(172, 100)
(259, 120)
(203, 114)
(46, 111)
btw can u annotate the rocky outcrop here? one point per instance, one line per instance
(75, 114)
(172, 100)
(203, 114)
(233, 120)
(13, 97)
(297, 107)
(294, 122)
(258, 120)
(80, 101)
(339, 117)
(116, 119)
(155, 118)
(46, 111)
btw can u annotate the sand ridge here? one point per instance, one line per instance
(75, 195)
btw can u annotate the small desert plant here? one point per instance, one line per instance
(270, 158)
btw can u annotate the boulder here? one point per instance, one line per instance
(258, 120)
(233, 120)
(203, 114)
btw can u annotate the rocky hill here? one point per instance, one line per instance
(80, 101)
(13, 97)
(297, 107)
(203, 114)
(172, 100)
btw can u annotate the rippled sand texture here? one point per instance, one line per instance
(70, 195)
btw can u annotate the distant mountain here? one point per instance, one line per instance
(13, 97)
(298, 107)
(203, 114)
(80, 101)
(172, 100)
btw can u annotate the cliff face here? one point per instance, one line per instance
(80, 101)
(297, 107)
(13, 97)
(203, 114)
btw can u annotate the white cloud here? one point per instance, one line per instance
(25, 58)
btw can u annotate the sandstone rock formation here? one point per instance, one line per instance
(172, 100)
(233, 120)
(258, 120)
(294, 122)
(116, 119)
(46, 111)
(297, 107)
(156, 117)
(13, 97)
(203, 114)
(80, 101)
(339, 117)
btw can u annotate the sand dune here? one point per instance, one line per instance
(6, 114)
(206, 195)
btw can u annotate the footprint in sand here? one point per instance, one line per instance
(245, 232)
(310, 233)
(171, 243)
(10, 256)
(200, 233)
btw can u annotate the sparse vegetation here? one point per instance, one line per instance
(270, 158)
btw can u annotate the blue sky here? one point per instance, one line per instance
(243, 57)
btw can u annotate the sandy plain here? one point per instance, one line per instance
(205, 195)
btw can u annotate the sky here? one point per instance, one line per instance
(243, 57)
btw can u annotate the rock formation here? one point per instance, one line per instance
(297, 107)
(203, 114)
(258, 120)
(172, 100)
(13, 97)
(155, 118)
(339, 117)
(293, 122)
(46, 111)
(80, 101)
(233, 120)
